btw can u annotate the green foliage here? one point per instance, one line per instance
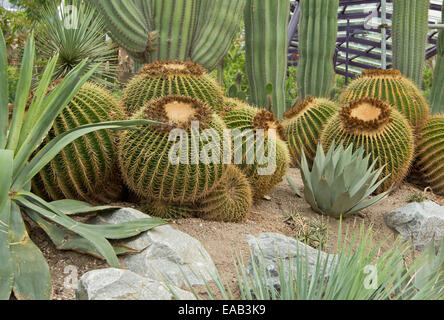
(13, 77)
(76, 36)
(23, 268)
(266, 43)
(409, 32)
(343, 276)
(318, 27)
(33, 8)
(340, 182)
(416, 197)
(15, 25)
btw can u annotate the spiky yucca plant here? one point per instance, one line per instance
(393, 88)
(430, 153)
(145, 155)
(87, 168)
(250, 121)
(23, 268)
(76, 36)
(231, 201)
(303, 126)
(381, 130)
(171, 77)
(341, 181)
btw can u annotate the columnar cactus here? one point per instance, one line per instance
(393, 88)
(409, 32)
(85, 169)
(381, 130)
(231, 201)
(171, 77)
(318, 27)
(266, 44)
(155, 165)
(250, 122)
(152, 30)
(430, 150)
(437, 94)
(303, 126)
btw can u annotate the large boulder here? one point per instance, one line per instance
(165, 253)
(418, 222)
(119, 284)
(274, 249)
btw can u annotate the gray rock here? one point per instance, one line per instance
(166, 253)
(420, 222)
(118, 284)
(275, 249)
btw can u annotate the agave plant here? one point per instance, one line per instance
(340, 181)
(77, 35)
(23, 269)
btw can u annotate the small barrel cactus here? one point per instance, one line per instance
(155, 165)
(231, 201)
(167, 209)
(171, 77)
(303, 126)
(381, 130)
(430, 153)
(393, 88)
(264, 167)
(85, 169)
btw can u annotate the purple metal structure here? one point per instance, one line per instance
(358, 45)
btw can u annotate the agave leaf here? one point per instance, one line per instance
(367, 203)
(293, 186)
(74, 207)
(337, 188)
(32, 279)
(341, 205)
(4, 94)
(45, 155)
(322, 194)
(305, 172)
(21, 96)
(6, 266)
(318, 167)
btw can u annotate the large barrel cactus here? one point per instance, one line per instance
(266, 45)
(392, 87)
(263, 157)
(430, 153)
(152, 30)
(410, 24)
(380, 130)
(86, 169)
(156, 165)
(171, 77)
(318, 27)
(437, 94)
(303, 126)
(231, 201)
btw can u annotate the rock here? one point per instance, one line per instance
(268, 246)
(420, 222)
(119, 284)
(164, 253)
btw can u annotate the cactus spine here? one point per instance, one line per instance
(303, 126)
(86, 168)
(430, 150)
(409, 32)
(266, 23)
(231, 201)
(171, 77)
(381, 130)
(393, 88)
(152, 30)
(318, 27)
(145, 155)
(437, 94)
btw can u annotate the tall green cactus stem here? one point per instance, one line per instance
(177, 166)
(318, 27)
(409, 32)
(171, 77)
(266, 23)
(437, 94)
(153, 30)
(304, 124)
(85, 169)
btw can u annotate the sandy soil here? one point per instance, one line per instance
(222, 240)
